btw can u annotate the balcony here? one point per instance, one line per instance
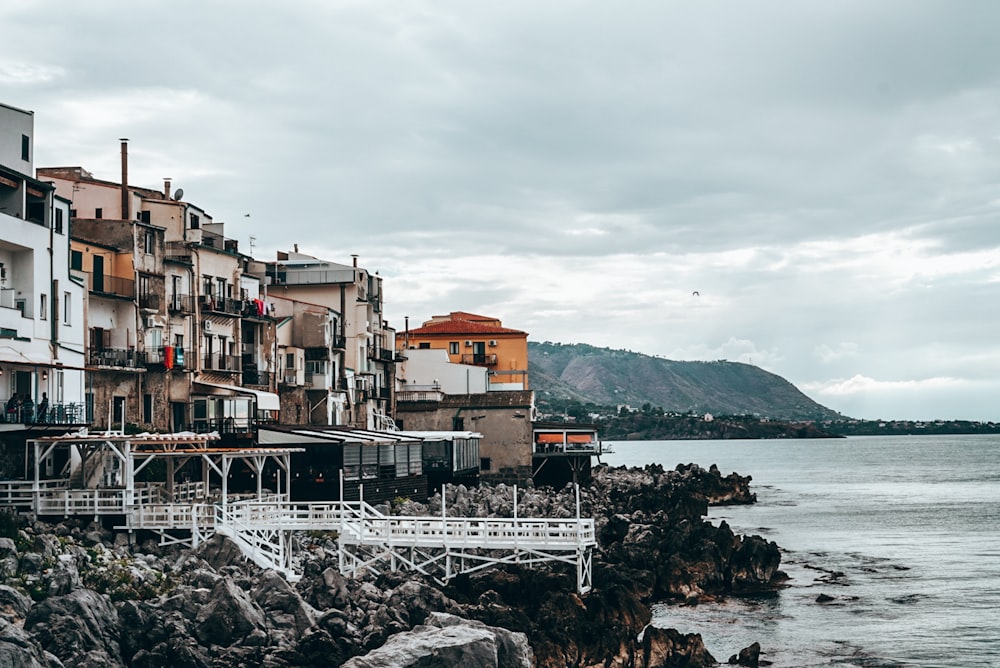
(338, 342)
(480, 359)
(117, 357)
(566, 444)
(170, 357)
(419, 395)
(150, 301)
(112, 285)
(254, 376)
(382, 354)
(216, 362)
(178, 251)
(69, 413)
(221, 305)
(180, 304)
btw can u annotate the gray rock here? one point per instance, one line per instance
(513, 650)
(7, 546)
(80, 628)
(432, 647)
(18, 650)
(13, 604)
(283, 605)
(219, 551)
(229, 616)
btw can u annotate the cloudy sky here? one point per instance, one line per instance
(810, 187)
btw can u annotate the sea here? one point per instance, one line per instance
(891, 545)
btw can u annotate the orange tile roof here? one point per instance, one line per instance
(462, 327)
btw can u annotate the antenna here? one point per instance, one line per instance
(178, 194)
(252, 240)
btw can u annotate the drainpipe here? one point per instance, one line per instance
(126, 214)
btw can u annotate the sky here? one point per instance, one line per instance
(809, 187)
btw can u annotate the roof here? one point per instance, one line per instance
(312, 433)
(512, 399)
(462, 327)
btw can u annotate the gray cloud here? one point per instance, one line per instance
(825, 175)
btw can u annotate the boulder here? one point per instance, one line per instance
(513, 650)
(19, 650)
(14, 605)
(668, 647)
(230, 616)
(284, 607)
(748, 656)
(80, 628)
(429, 646)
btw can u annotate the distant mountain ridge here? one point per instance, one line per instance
(584, 373)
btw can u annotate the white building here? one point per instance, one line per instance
(41, 307)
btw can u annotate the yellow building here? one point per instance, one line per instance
(477, 340)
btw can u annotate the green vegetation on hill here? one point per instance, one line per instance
(582, 379)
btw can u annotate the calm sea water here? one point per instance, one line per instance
(902, 532)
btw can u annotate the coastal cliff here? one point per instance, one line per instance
(76, 594)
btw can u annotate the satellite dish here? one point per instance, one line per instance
(178, 194)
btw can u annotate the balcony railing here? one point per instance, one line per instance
(257, 377)
(218, 362)
(112, 285)
(338, 342)
(117, 357)
(68, 413)
(382, 354)
(419, 395)
(221, 305)
(168, 356)
(180, 303)
(151, 301)
(480, 359)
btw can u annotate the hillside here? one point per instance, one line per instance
(562, 373)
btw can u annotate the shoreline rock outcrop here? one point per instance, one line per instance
(71, 594)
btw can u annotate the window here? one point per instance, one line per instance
(76, 260)
(98, 213)
(147, 408)
(117, 411)
(67, 303)
(25, 147)
(195, 222)
(424, 345)
(485, 463)
(72, 213)
(43, 307)
(453, 348)
(149, 242)
(59, 221)
(458, 424)
(60, 386)
(144, 216)
(290, 361)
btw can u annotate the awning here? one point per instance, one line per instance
(266, 401)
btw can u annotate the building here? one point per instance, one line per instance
(311, 350)
(476, 340)
(176, 326)
(41, 304)
(354, 296)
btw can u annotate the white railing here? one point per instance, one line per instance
(162, 516)
(488, 533)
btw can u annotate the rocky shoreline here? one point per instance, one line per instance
(78, 595)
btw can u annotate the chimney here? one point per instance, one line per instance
(166, 186)
(126, 214)
(355, 258)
